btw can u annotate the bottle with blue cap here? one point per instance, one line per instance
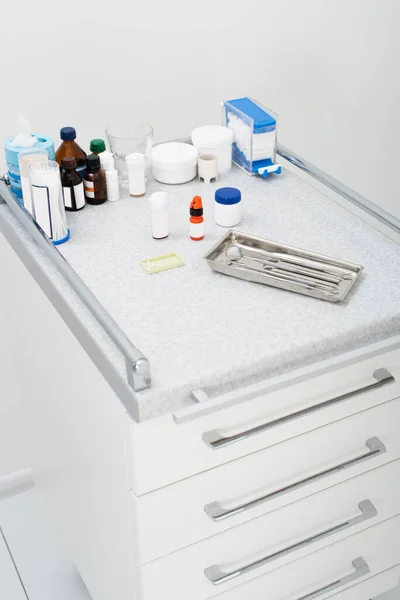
(70, 149)
(228, 206)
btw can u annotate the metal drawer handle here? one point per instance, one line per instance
(360, 569)
(217, 512)
(217, 576)
(215, 440)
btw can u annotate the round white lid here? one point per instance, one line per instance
(212, 135)
(174, 155)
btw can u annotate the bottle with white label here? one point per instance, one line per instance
(108, 166)
(95, 181)
(196, 219)
(72, 184)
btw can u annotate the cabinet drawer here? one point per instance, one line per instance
(369, 588)
(212, 502)
(166, 451)
(212, 568)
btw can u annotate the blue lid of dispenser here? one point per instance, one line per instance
(262, 119)
(43, 141)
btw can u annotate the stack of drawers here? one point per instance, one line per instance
(292, 494)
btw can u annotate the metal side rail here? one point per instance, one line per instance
(137, 365)
(359, 201)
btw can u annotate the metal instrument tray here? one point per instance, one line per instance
(262, 261)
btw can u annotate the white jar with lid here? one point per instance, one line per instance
(216, 140)
(174, 162)
(228, 207)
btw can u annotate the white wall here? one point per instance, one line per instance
(330, 68)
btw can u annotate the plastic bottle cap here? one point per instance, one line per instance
(228, 195)
(97, 145)
(93, 162)
(68, 162)
(67, 133)
(196, 207)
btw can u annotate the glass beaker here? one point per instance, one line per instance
(126, 138)
(48, 201)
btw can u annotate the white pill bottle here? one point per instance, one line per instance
(158, 203)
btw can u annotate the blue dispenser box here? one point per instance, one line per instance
(43, 142)
(254, 130)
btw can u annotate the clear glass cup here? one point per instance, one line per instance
(126, 138)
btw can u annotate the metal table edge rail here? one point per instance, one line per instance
(340, 188)
(137, 365)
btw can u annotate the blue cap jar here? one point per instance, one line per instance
(228, 206)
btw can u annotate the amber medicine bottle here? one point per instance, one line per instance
(95, 181)
(72, 184)
(69, 147)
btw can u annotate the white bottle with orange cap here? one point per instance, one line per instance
(196, 219)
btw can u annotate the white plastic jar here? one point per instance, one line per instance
(216, 140)
(228, 207)
(174, 162)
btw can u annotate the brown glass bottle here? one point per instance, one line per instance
(72, 184)
(95, 181)
(69, 147)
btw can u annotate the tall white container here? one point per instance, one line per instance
(216, 140)
(47, 200)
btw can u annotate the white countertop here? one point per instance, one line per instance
(200, 329)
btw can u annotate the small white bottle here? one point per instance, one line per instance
(136, 168)
(107, 164)
(158, 203)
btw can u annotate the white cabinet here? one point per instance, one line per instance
(332, 569)
(13, 451)
(265, 417)
(289, 493)
(183, 514)
(77, 443)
